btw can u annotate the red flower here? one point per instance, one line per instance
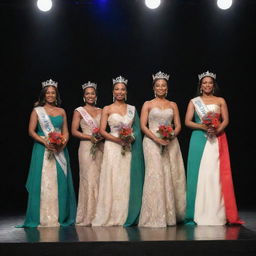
(96, 134)
(166, 132)
(56, 138)
(211, 119)
(215, 122)
(95, 130)
(127, 136)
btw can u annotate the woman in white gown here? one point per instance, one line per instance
(164, 196)
(121, 178)
(87, 118)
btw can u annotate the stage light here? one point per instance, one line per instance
(224, 4)
(44, 5)
(152, 4)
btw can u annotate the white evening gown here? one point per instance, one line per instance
(114, 189)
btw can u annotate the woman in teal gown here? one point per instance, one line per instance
(51, 196)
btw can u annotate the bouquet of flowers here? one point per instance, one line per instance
(211, 119)
(165, 132)
(56, 139)
(127, 136)
(97, 136)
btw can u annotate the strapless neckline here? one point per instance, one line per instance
(117, 114)
(54, 116)
(212, 104)
(161, 109)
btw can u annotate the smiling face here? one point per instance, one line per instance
(160, 88)
(50, 95)
(207, 85)
(90, 95)
(119, 91)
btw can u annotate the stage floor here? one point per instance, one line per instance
(10, 234)
(243, 237)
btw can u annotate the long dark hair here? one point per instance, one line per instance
(216, 89)
(41, 98)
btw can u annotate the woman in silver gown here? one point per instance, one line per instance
(164, 196)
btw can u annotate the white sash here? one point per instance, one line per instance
(201, 108)
(130, 111)
(47, 127)
(87, 118)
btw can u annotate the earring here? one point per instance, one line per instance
(114, 98)
(201, 91)
(213, 91)
(56, 102)
(95, 102)
(166, 94)
(125, 97)
(155, 93)
(84, 99)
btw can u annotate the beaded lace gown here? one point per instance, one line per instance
(89, 169)
(164, 196)
(114, 188)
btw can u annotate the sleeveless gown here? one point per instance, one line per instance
(210, 193)
(89, 176)
(51, 196)
(164, 195)
(118, 203)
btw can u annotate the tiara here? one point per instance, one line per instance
(207, 73)
(120, 79)
(160, 75)
(89, 84)
(49, 82)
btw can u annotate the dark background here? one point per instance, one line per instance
(98, 40)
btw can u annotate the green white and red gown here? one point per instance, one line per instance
(210, 193)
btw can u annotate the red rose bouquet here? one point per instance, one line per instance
(56, 139)
(212, 120)
(127, 137)
(97, 137)
(166, 133)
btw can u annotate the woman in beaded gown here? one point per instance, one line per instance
(210, 193)
(51, 196)
(86, 120)
(164, 195)
(121, 177)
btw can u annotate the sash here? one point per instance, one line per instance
(87, 118)
(47, 126)
(225, 169)
(201, 108)
(131, 111)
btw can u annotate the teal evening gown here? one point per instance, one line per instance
(51, 196)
